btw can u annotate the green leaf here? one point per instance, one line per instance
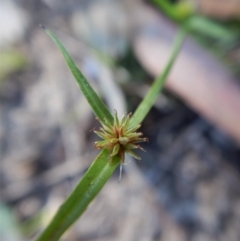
(98, 107)
(85, 191)
(210, 28)
(177, 11)
(148, 101)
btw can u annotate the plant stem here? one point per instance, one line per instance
(100, 170)
(85, 191)
(148, 101)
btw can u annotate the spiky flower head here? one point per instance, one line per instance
(119, 138)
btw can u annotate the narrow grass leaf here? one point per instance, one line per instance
(98, 107)
(148, 101)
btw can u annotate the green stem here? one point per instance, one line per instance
(154, 90)
(88, 187)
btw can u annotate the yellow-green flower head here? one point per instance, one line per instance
(119, 138)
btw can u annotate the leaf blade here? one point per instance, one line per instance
(97, 105)
(153, 92)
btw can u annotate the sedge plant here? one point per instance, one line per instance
(119, 136)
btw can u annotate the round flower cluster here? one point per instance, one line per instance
(119, 138)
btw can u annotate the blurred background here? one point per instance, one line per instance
(187, 185)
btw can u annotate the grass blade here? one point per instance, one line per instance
(85, 191)
(148, 101)
(98, 107)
